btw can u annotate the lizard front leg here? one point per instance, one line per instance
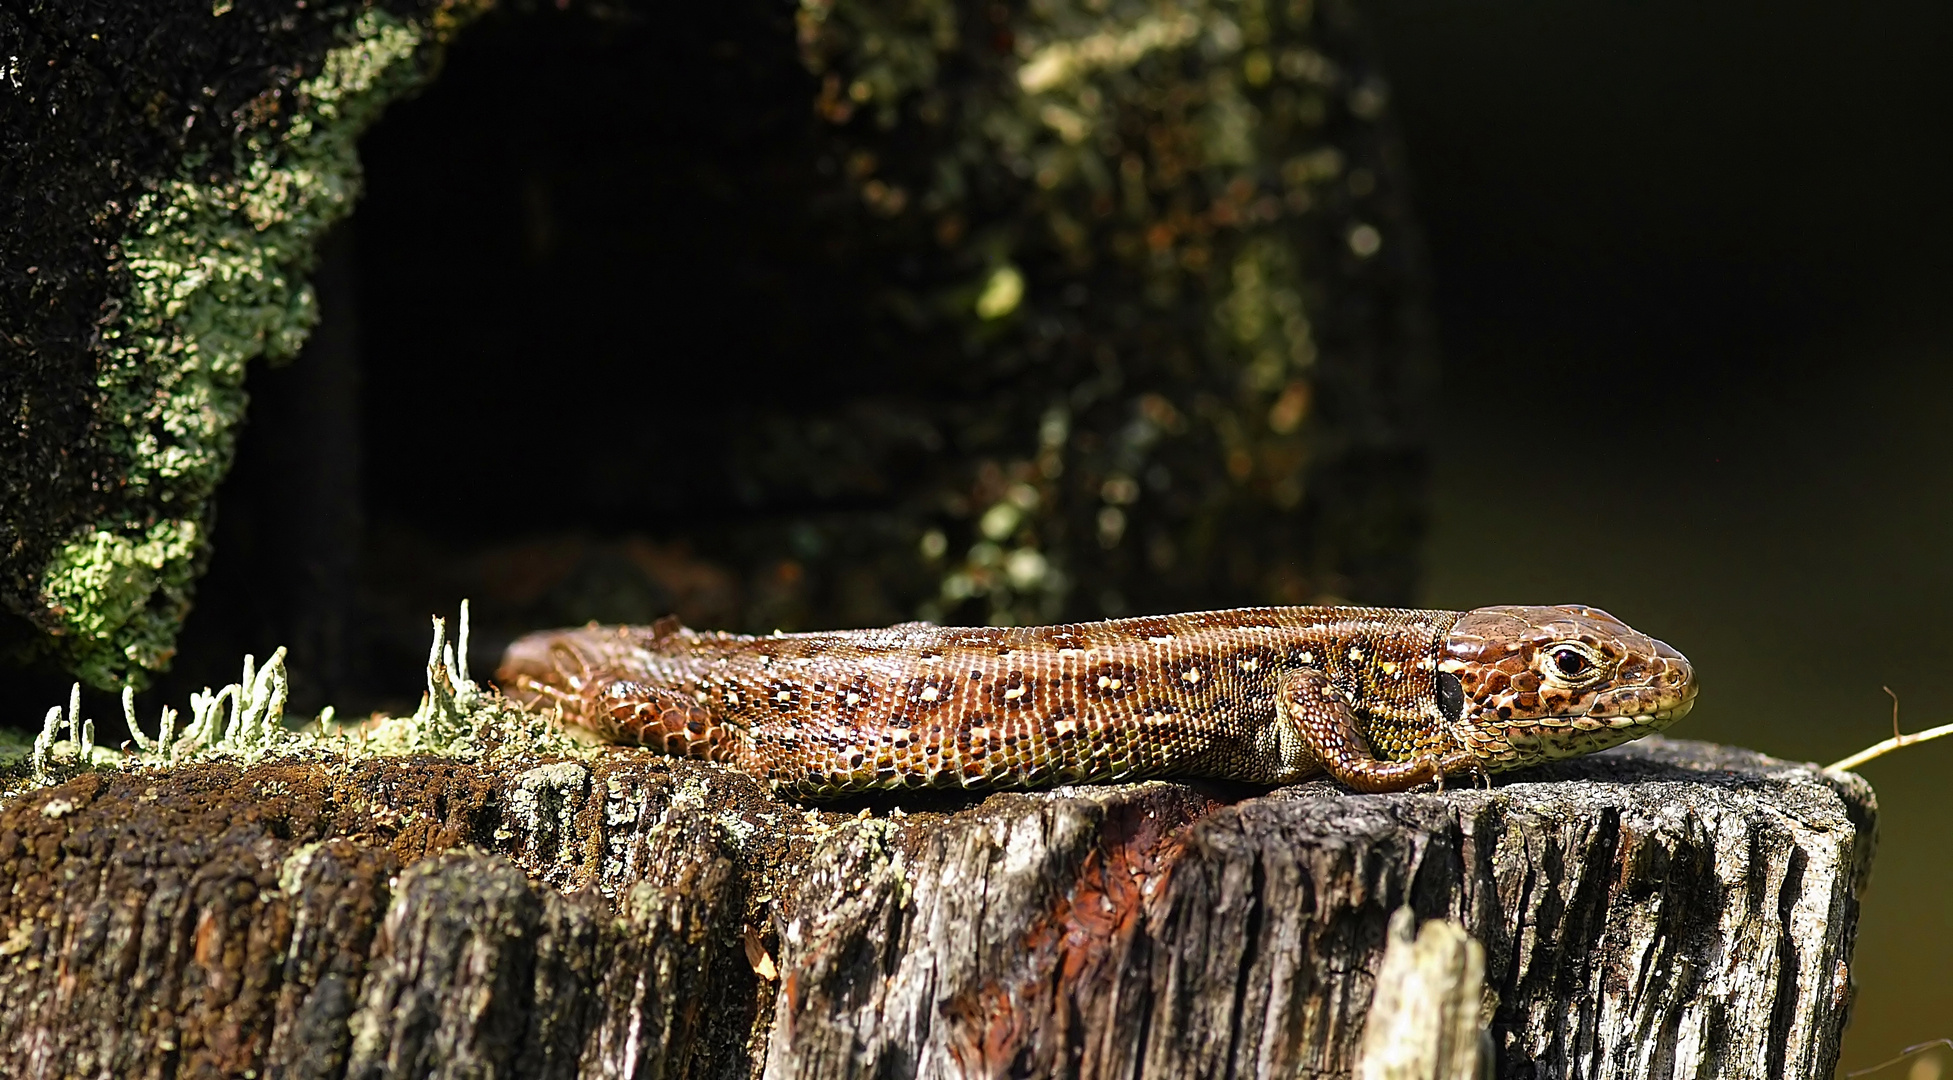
(1324, 720)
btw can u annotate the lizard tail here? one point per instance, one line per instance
(586, 674)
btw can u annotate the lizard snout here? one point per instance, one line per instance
(543, 667)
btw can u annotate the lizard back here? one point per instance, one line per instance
(919, 705)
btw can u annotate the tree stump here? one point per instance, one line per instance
(1664, 909)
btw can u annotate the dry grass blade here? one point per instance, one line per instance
(1903, 1054)
(1880, 749)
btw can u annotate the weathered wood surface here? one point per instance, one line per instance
(1668, 909)
(1427, 1019)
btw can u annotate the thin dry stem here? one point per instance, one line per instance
(1877, 750)
(1903, 1054)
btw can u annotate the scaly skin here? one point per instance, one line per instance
(1381, 699)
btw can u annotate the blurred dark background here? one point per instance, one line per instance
(1689, 267)
(1692, 279)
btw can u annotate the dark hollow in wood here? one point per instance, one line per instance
(1665, 909)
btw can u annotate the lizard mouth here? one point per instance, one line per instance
(539, 660)
(1546, 738)
(1659, 694)
(1597, 720)
(1656, 699)
(1653, 718)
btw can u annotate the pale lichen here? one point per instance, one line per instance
(244, 722)
(250, 729)
(216, 263)
(458, 717)
(542, 806)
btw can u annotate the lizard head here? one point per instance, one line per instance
(1536, 683)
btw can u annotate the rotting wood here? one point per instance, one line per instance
(1659, 910)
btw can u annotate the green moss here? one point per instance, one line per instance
(217, 278)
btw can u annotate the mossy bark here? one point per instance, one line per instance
(170, 167)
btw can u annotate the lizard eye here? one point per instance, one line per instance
(1571, 663)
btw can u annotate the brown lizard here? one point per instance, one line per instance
(1381, 699)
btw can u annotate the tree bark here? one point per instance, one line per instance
(1666, 909)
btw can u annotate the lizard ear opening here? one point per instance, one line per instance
(1451, 697)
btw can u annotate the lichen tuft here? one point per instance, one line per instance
(245, 722)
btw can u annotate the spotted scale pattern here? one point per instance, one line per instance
(1266, 695)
